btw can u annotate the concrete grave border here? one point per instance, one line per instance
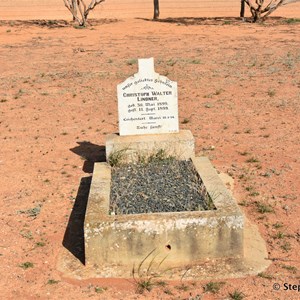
(114, 243)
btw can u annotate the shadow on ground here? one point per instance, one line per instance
(91, 153)
(55, 23)
(216, 21)
(197, 21)
(74, 235)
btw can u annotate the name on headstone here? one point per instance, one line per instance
(147, 102)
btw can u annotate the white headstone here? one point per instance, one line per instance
(147, 102)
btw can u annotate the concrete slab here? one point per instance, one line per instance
(133, 148)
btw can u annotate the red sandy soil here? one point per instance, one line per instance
(239, 94)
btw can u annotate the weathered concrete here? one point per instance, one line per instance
(114, 243)
(180, 145)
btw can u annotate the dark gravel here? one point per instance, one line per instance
(160, 186)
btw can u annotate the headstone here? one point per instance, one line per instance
(147, 102)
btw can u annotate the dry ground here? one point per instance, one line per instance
(239, 94)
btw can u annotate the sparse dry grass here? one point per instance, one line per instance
(58, 87)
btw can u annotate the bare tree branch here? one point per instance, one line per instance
(260, 10)
(79, 2)
(84, 10)
(92, 5)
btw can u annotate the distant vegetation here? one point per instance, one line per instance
(259, 9)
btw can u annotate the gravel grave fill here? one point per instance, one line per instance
(160, 186)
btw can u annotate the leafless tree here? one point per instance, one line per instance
(80, 5)
(260, 9)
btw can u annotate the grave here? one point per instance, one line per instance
(115, 243)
